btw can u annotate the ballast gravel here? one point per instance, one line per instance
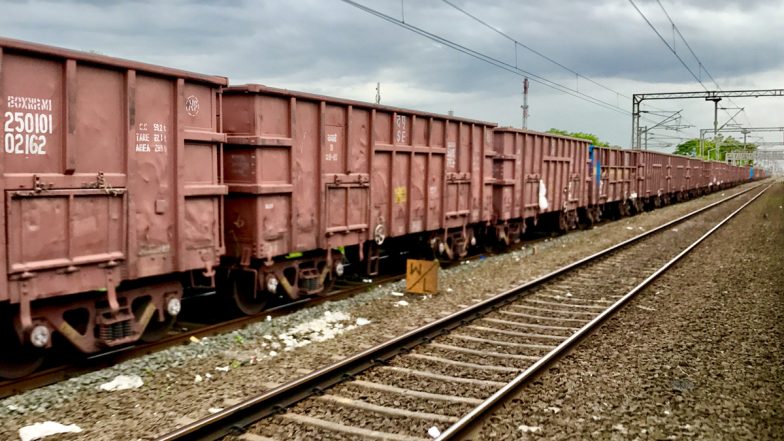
(698, 355)
(182, 384)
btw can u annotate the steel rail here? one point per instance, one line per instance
(239, 416)
(467, 422)
(69, 369)
(105, 359)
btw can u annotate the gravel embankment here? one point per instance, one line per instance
(184, 383)
(699, 354)
(597, 284)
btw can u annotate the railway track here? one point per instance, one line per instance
(182, 333)
(448, 374)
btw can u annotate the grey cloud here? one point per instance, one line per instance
(324, 44)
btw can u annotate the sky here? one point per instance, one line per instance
(331, 47)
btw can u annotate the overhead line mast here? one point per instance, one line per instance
(708, 95)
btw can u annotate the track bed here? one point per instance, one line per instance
(516, 328)
(170, 397)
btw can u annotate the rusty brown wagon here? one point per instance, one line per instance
(115, 201)
(104, 216)
(537, 174)
(310, 174)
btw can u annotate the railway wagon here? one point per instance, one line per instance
(715, 173)
(614, 174)
(652, 174)
(534, 174)
(680, 177)
(738, 173)
(745, 173)
(103, 217)
(664, 177)
(731, 174)
(723, 173)
(309, 175)
(699, 180)
(706, 170)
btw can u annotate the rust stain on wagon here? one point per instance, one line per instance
(97, 184)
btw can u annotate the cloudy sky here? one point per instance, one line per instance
(334, 48)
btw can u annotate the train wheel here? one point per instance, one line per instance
(17, 360)
(247, 298)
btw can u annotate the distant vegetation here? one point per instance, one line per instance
(728, 144)
(589, 136)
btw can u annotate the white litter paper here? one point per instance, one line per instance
(434, 432)
(42, 430)
(401, 303)
(361, 321)
(543, 204)
(122, 382)
(529, 429)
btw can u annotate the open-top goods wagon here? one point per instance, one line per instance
(536, 174)
(310, 176)
(614, 174)
(104, 218)
(115, 203)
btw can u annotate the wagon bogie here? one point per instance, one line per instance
(509, 231)
(454, 243)
(91, 323)
(251, 284)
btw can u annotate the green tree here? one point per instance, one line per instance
(589, 136)
(728, 144)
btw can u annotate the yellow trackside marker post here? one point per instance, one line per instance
(422, 276)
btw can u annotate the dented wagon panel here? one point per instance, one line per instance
(536, 173)
(652, 173)
(338, 173)
(507, 176)
(95, 185)
(679, 174)
(694, 177)
(617, 170)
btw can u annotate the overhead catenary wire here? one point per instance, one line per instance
(489, 59)
(672, 49)
(517, 43)
(700, 64)
(532, 50)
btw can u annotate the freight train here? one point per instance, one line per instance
(126, 185)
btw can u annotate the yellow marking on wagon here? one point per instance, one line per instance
(400, 195)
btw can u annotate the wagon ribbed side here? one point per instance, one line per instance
(102, 208)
